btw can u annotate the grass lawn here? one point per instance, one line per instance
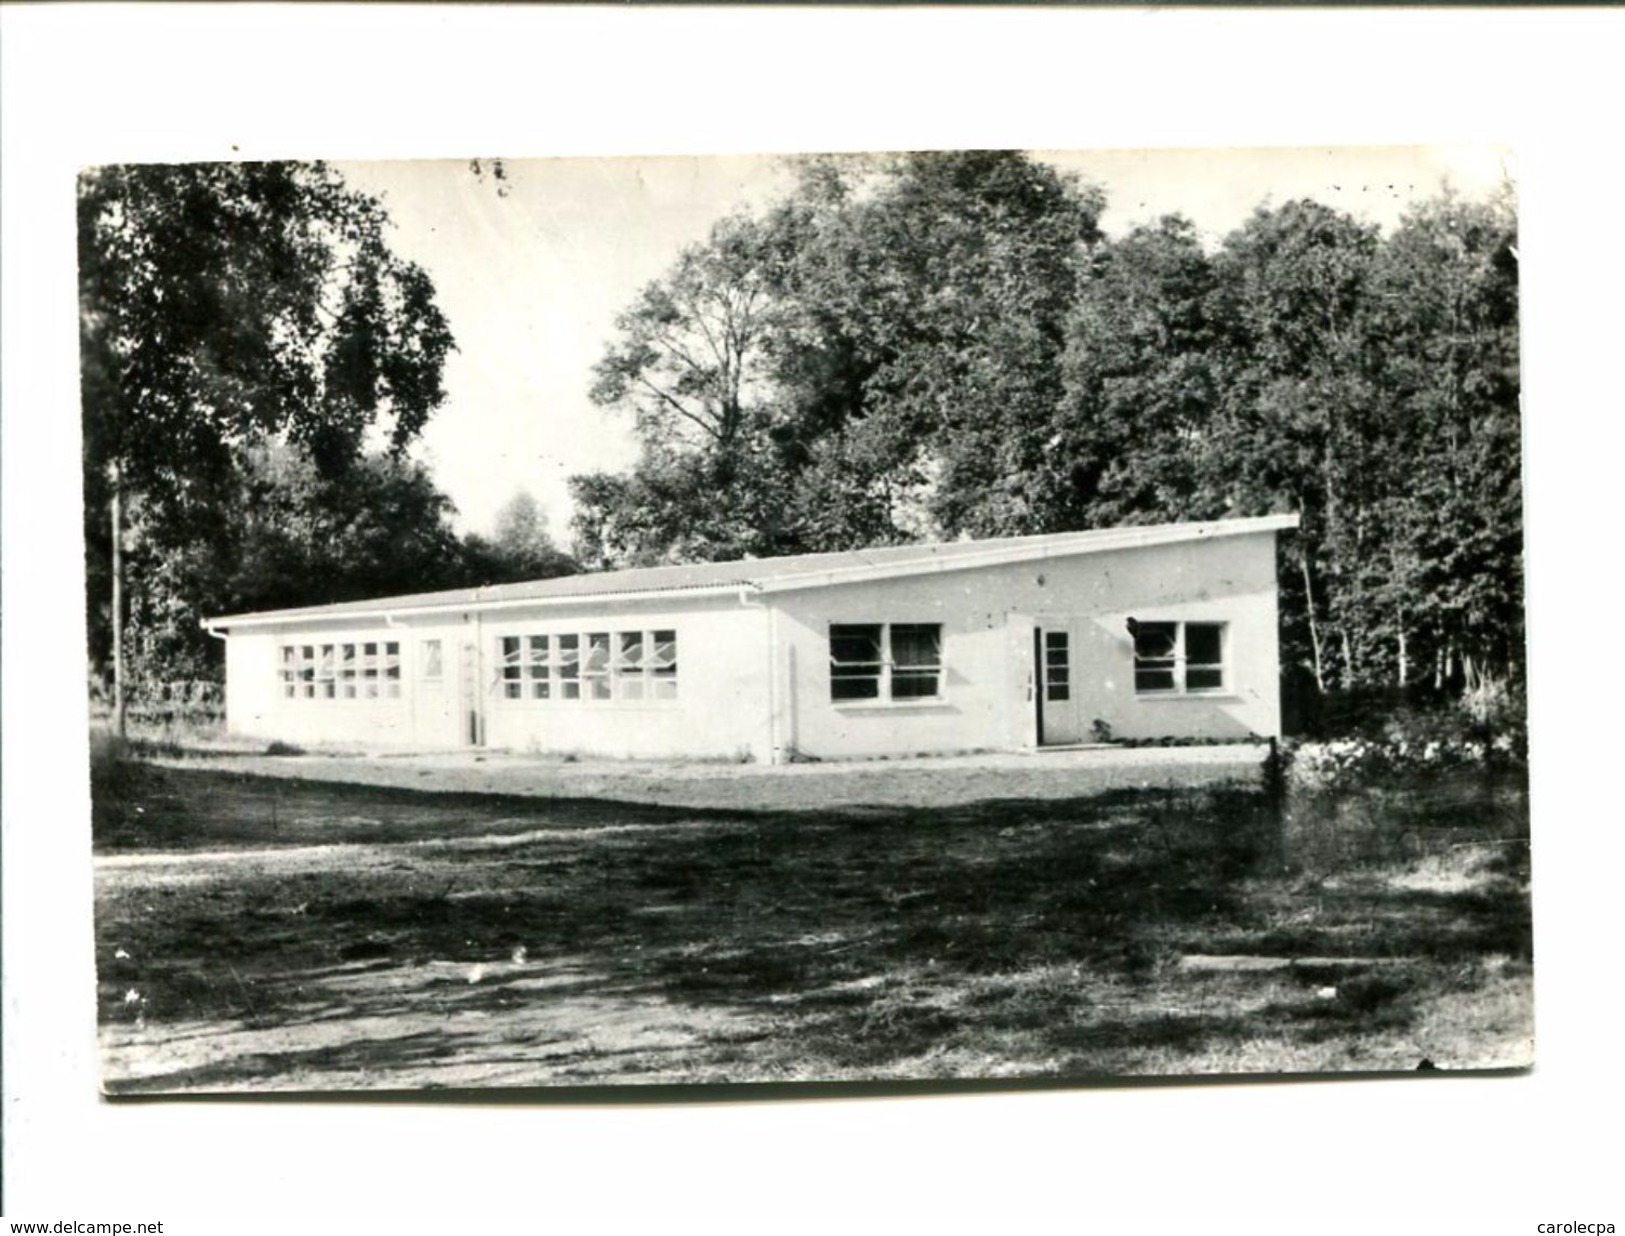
(257, 933)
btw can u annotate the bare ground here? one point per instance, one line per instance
(932, 781)
(259, 933)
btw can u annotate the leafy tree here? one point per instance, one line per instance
(691, 365)
(222, 305)
(942, 290)
(688, 362)
(943, 344)
(1298, 419)
(295, 537)
(872, 360)
(1445, 301)
(520, 547)
(1141, 385)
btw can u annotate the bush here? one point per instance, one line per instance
(1345, 762)
(1368, 734)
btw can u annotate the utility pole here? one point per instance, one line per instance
(118, 602)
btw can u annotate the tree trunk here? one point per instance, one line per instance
(1404, 658)
(118, 603)
(1314, 629)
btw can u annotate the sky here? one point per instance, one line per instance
(533, 278)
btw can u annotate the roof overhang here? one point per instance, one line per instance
(1115, 541)
(930, 562)
(386, 612)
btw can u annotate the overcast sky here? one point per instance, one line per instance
(532, 280)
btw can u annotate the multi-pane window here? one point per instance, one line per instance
(288, 671)
(876, 660)
(595, 668)
(341, 671)
(369, 671)
(598, 665)
(855, 662)
(538, 667)
(1178, 657)
(431, 666)
(326, 671)
(663, 665)
(527, 667)
(630, 671)
(1057, 666)
(916, 660)
(569, 667)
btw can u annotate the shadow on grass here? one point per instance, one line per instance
(804, 943)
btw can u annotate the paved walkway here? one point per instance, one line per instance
(922, 782)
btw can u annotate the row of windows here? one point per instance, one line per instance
(366, 671)
(599, 665)
(867, 661)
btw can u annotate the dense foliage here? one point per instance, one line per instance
(255, 362)
(902, 348)
(944, 345)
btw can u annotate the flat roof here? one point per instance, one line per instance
(765, 575)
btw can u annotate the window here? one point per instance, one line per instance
(595, 670)
(538, 667)
(663, 666)
(1178, 658)
(342, 671)
(369, 671)
(896, 661)
(1057, 666)
(916, 660)
(431, 668)
(855, 664)
(569, 667)
(512, 684)
(325, 674)
(392, 670)
(347, 672)
(631, 666)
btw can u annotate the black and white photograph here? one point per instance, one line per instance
(727, 620)
(647, 618)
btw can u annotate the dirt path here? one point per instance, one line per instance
(924, 782)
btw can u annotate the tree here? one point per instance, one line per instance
(222, 305)
(1140, 385)
(688, 362)
(871, 360)
(520, 547)
(295, 537)
(939, 293)
(1298, 423)
(943, 344)
(1445, 301)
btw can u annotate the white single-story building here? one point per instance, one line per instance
(1011, 644)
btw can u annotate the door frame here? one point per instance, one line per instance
(1067, 623)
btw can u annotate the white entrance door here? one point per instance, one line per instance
(1058, 705)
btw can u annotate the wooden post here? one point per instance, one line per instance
(118, 602)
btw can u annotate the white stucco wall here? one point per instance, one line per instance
(721, 709)
(423, 717)
(753, 676)
(988, 615)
